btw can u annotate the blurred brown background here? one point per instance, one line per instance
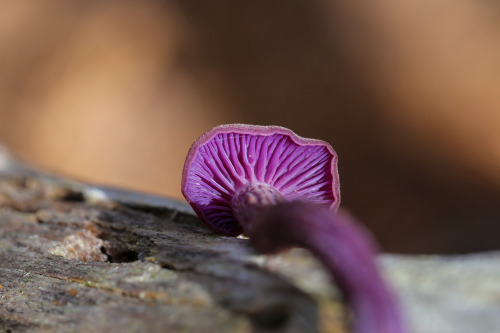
(407, 93)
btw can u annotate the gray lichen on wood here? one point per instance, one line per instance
(80, 258)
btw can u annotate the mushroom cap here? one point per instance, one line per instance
(228, 158)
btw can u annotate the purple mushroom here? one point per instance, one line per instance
(282, 190)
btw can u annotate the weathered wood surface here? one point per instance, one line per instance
(79, 258)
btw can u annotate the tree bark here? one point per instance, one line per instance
(83, 258)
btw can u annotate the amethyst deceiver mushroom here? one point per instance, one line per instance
(282, 190)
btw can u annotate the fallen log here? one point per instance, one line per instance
(82, 258)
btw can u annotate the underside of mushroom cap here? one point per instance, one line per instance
(228, 158)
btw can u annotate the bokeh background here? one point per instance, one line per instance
(407, 93)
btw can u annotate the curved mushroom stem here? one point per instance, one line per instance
(344, 248)
(249, 202)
